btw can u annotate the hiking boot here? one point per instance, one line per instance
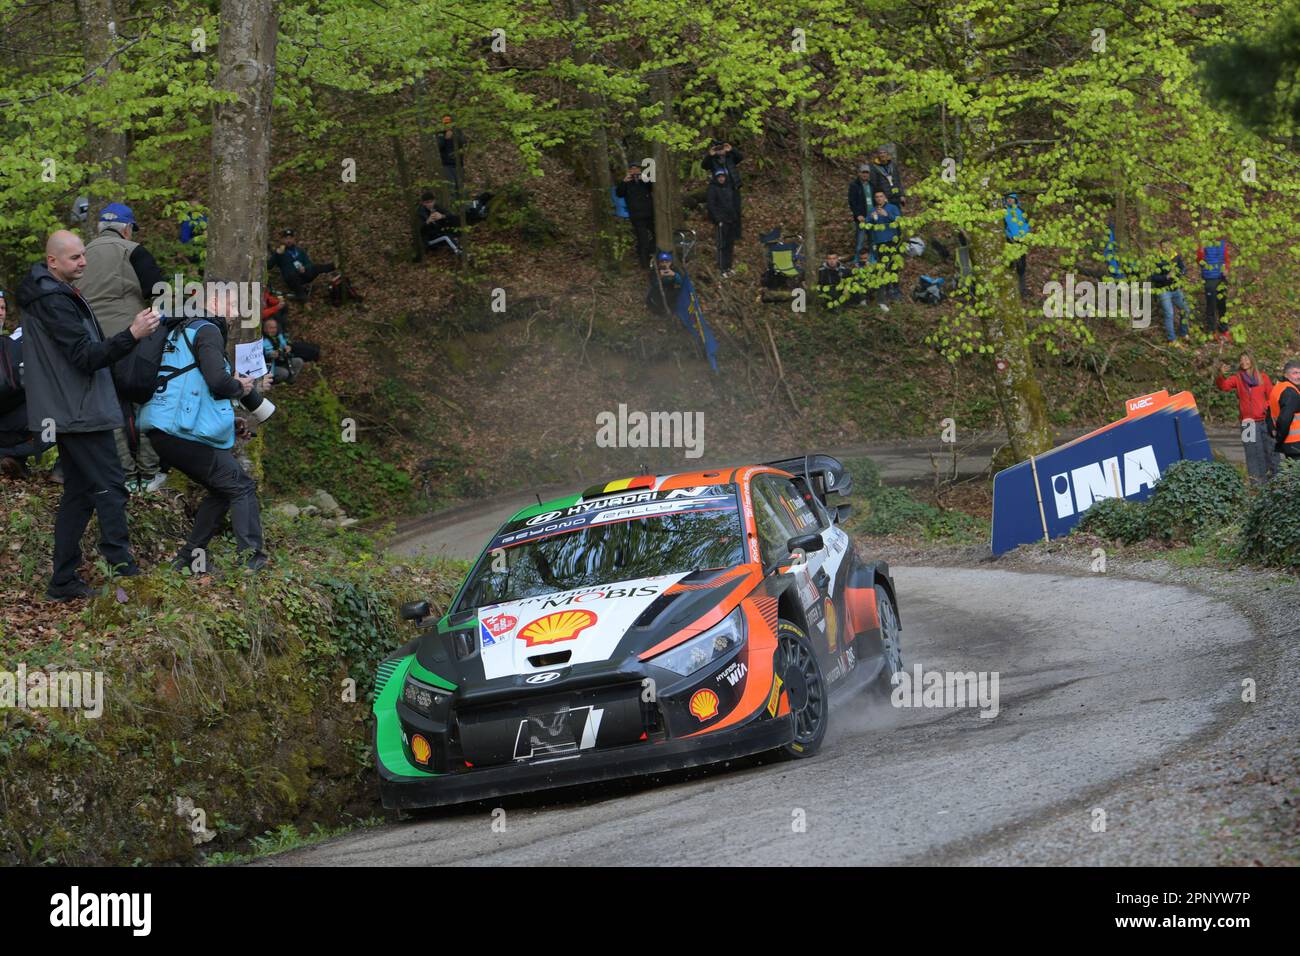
(257, 562)
(74, 589)
(56, 473)
(13, 468)
(154, 483)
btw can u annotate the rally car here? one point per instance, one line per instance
(645, 625)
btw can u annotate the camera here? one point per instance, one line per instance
(258, 407)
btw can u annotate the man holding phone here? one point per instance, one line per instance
(71, 399)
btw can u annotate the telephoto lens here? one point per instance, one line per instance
(260, 408)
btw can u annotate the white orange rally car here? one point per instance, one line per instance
(647, 624)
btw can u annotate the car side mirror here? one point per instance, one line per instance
(842, 512)
(807, 543)
(415, 611)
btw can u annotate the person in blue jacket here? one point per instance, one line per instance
(882, 225)
(192, 426)
(1016, 226)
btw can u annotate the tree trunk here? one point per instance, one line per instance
(241, 151)
(108, 145)
(811, 259)
(407, 192)
(597, 162)
(667, 204)
(430, 160)
(1002, 317)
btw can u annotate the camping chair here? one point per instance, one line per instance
(784, 258)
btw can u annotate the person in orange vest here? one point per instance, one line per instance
(1283, 404)
(1253, 389)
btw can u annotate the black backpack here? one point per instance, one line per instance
(137, 376)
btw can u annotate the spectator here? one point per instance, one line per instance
(885, 247)
(296, 266)
(1166, 280)
(640, 199)
(860, 207)
(1253, 389)
(1283, 404)
(722, 155)
(17, 443)
(830, 278)
(1214, 260)
(198, 440)
(665, 285)
(885, 178)
(274, 307)
(1016, 226)
(451, 150)
(69, 386)
(278, 350)
(119, 281)
(437, 226)
(723, 204)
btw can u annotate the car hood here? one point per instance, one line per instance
(588, 623)
(611, 622)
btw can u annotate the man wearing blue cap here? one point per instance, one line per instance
(118, 283)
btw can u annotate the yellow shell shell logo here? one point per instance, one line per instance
(420, 749)
(832, 624)
(704, 704)
(560, 626)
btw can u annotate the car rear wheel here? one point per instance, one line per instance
(801, 674)
(891, 632)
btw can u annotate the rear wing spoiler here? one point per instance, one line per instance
(823, 474)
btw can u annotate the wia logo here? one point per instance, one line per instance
(1077, 489)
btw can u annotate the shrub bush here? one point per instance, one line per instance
(1116, 519)
(1271, 531)
(1193, 497)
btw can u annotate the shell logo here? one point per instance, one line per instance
(560, 626)
(704, 704)
(832, 624)
(420, 749)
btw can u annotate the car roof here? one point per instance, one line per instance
(685, 479)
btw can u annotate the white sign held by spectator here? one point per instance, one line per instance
(249, 359)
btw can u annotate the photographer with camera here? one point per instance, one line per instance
(722, 155)
(192, 425)
(640, 199)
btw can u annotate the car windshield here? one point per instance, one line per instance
(607, 541)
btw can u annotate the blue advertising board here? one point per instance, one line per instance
(1046, 496)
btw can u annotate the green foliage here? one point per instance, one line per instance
(894, 511)
(888, 510)
(229, 690)
(1116, 519)
(308, 450)
(1193, 497)
(1270, 533)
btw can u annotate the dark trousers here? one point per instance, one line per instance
(298, 281)
(1019, 265)
(92, 482)
(453, 178)
(890, 257)
(21, 445)
(1216, 305)
(726, 244)
(230, 489)
(643, 230)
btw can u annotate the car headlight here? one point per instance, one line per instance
(421, 697)
(718, 641)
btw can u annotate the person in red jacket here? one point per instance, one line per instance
(1253, 388)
